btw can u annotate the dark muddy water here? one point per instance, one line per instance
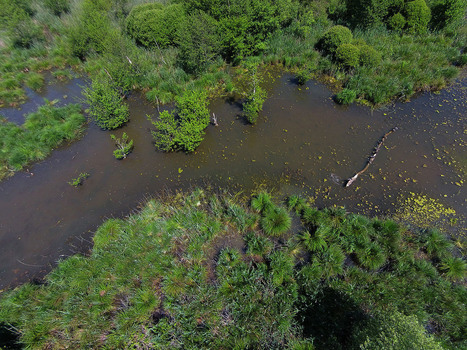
(303, 142)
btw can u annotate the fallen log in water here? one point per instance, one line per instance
(371, 158)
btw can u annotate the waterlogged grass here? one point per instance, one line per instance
(205, 271)
(41, 132)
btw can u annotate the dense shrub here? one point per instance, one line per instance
(198, 41)
(183, 129)
(418, 16)
(369, 13)
(244, 25)
(335, 37)
(397, 22)
(348, 55)
(448, 13)
(368, 56)
(393, 330)
(106, 106)
(92, 30)
(155, 25)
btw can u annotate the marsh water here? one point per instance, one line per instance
(302, 143)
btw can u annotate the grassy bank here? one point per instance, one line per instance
(41, 132)
(165, 49)
(371, 52)
(206, 271)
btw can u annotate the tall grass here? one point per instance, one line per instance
(176, 275)
(41, 132)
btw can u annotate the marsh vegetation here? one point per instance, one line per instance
(199, 270)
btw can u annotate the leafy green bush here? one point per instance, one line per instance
(91, 29)
(124, 147)
(368, 56)
(183, 129)
(254, 104)
(346, 96)
(397, 22)
(78, 181)
(155, 25)
(348, 55)
(335, 37)
(198, 41)
(106, 106)
(418, 16)
(371, 13)
(395, 331)
(302, 76)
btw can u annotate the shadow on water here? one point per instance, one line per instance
(302, 143)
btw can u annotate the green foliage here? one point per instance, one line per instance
(262, 202)
(124, 147)
(276, 221)
(244, 25)
(418, 16)
(371, 257)
(397, 22)
(192, 286)
(42, 131)
(348, 55)
(448, 14)
(454, 268)
(254, 104)
(255, 100)
(183, 129)
(436, 243)
(198, 41)
(346, 96)
(78, 181)
(396, 331)
(58, 6)
(106, 106)
(368, 56)
(302, 76)
(35, 81)
(334, 38)
(155, 25)
(91, 30)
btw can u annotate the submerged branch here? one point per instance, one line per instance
(371, 158)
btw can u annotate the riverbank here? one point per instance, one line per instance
(213, 270)
(291, 149)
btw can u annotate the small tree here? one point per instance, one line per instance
(183, 129)
(124, 147)
(418, 16)
(254, 103)
(106, 106)
(397, 22)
